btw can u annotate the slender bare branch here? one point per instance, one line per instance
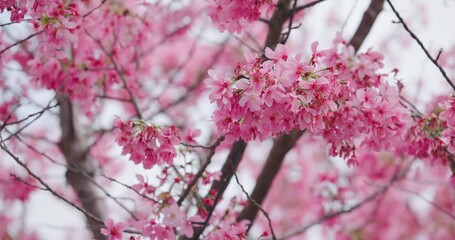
(398, 176)
(36, 117)
(20, 41)
(47, 187)
(266, 214)
(308, 5)
(286, 35)
(229, 167)
(119, 73)
(129, 187)
(33, 114)
(433, 60)
(280, 148)
(201, 170)
(437, 206)
(94, 9)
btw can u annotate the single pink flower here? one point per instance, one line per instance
(113, 231)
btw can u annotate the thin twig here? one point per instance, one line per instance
(437, 206)
(48, 188)
(201, 170)
(129, 187)
(34, 114)
(257, 205)
(82, 172)
(231, 163)
(439, 54)
(29, 123)
(120, 74)
(90, 12)
(308, 5)
(411, 105)
(433, 60)
(348, 16)
(21, 41)
(11, 23)
(373, 196)
(17, 178)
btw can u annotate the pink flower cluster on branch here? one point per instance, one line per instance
(432, 136)
(234, 15)
(17, 8)
(147, 144)
(60, 22)
(334, 94)
(235, 231)
(448, 115)
(13, 187)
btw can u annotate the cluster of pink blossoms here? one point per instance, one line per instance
(17, 8)
(234, 15)
(12, 187)
(334, 94)
(60, 22)
(149, 145)
(448, 115)
(161, 226)
(432, 136)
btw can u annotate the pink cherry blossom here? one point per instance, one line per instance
(264, 99)
(143, 186)
(113, 230)
(235, 15)
(149, 145)
(173, 216)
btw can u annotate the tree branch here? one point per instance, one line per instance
(280, 148)
(73, 148)
(228, 169)
(20, 41)
(433, 60)
(308, 5)
(399, 175)
(369, 17)
(277, 21)
(257, 205)
(88, 214)
(201, 170)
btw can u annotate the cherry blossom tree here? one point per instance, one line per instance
(225, 119)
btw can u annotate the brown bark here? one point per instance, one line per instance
(75, 150)
(369, 17)
(276, 23)
(229, 166)
(280, 148)
(227, 171)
